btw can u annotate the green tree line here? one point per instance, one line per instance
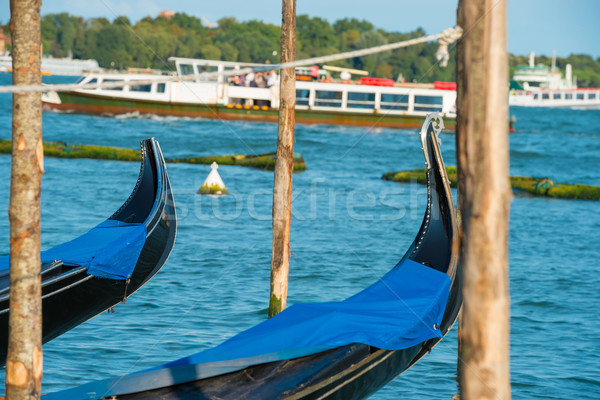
(151, 41)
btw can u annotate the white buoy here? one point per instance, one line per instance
(213, 184)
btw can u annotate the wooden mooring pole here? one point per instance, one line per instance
(24, 360)
(284, 164)
(485, 194)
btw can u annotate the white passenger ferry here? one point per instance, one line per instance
(56, 66)
(540, 86)
(370, 102)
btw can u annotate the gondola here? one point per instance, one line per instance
(337, 350)
(101, 268)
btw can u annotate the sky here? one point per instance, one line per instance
(540, 26)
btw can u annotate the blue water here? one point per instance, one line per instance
(349, 227)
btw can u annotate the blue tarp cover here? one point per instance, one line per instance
(110, 250)
(398, 311)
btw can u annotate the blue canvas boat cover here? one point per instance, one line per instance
(397, 312)
(402, 309)
(110, 250)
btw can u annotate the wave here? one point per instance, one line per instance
(154, 117)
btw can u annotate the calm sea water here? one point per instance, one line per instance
(349, 227)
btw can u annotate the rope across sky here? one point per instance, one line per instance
(445, 38)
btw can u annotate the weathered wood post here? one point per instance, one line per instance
(485, 194)
(24, 360)
(284, 164)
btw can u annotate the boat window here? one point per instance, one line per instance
(536, 96)
(186, 69)
(110, 81)
(545, 96)
(592, 96)
(160, 88)
(394, 101)
(302, 96)
(91, 82)
(569, 96)
(328, 98)
(428, 103)
(140, 88)
(206, 69)
(557, 96)
(579, 96)
(361, 100)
